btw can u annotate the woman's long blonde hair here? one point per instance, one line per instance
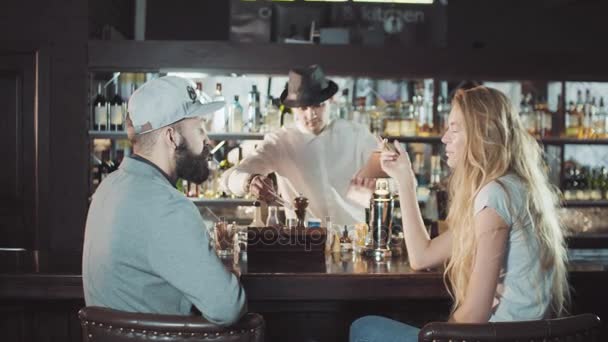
(496, 143)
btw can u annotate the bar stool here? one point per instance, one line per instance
(108, 325)
(585, 327)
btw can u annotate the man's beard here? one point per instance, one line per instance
(190, 166)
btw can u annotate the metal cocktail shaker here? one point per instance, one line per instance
(381, 220)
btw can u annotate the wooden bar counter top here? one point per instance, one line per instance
(299, 301)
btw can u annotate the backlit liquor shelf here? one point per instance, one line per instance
(247, 202)
(223, 202)
(212, 136)
(413, 139)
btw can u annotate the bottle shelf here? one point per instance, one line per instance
(236, 136)
(434, 139)
(107, 134)
(585, 203)
(597, 240)
(213, 136)
(210, 202)
(243, 201)
(547, 141)
(572, 141)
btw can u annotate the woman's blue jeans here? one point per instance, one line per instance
(381, 329)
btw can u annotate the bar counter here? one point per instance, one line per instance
(300, 304)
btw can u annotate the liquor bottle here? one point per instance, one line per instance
(587, 114)
(95, 172)
(132, 90)
(254, 115)
(193, 190)
(344, 106)
(225, 164)
(572, 121)
(257, 215)
(273, 219)
(421, 113)
(443, 110)
(211, 184)
(235, 115)
(419, 170)
(127, 83)
(392, 121)
(527, 114)
(408, 120)
(544, 123)
(580, 105)
(604, 182)
(591, 119)
(220, 123)
(100, 110)
(107, 166)
(204, 98)
(601, 120)
(116, 110)
(582, 189)
(272, 116)
(568, 184)
(199, 89)
(332, 109)
(346, 243)
(580, 109)
(372, 118)
(595, 185)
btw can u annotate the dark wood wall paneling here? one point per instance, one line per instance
(18, 211)
(57, 32)
(54, 34)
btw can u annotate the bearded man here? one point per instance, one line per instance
(146, 248)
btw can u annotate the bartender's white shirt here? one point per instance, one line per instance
(319, 167)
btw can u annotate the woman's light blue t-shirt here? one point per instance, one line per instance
(524, 287)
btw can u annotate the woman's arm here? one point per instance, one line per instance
(491, 233)
(422, 251)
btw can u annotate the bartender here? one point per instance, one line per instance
(316, 159)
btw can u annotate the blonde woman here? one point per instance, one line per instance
(504, 253)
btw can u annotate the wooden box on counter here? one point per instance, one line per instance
(286, 250)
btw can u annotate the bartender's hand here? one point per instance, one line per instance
(368, 183)
(398, 166)
(261, 188)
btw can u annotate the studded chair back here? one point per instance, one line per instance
(107, 325)
(578, 328)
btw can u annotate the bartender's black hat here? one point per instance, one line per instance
(307, 87)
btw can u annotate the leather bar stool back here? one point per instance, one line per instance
(107, 325)
(585, 327)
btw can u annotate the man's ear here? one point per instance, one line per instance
(171, 137)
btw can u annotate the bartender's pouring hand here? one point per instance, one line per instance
(367, 183)
(262, 189)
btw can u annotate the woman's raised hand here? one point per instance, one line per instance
(398, 166)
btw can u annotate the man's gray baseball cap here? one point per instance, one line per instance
(167, 100)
